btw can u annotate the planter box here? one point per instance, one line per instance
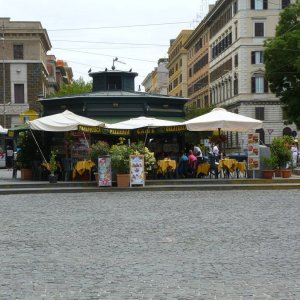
(123, 180)
(268, 174)
(278, 173)
(287, 173)
(26, 174)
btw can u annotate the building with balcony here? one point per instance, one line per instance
(197, 46)
(177, 65)
(236, 31)
(23, 69)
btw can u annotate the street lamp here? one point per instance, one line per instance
(3, 69)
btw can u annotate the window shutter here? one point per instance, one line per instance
(266, 85)
(252, 57)
(265, 4)
(252, 4)
(253, 85)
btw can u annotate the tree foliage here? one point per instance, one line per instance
(282, 62)
(78, 86)
(192, 112)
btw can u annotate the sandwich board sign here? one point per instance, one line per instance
(137, 173)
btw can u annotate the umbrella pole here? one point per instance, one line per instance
(146, 137)
(38, 145)
(220, 145)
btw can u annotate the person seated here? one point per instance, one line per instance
(182, 168)
(192, 163)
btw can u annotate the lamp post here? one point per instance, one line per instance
(3, 69)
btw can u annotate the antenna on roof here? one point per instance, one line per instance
(116, 60)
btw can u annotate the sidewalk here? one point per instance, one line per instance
(9, 185)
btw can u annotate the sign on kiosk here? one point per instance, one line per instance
(137, 174)
(253, 151)
(104, 171)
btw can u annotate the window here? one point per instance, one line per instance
(259, 4)
(259, 85)
(235, 86)
(285, 3)
(235, 7)
(260, 113)
(259, 29)
(18, 52)
(19, 93)
(257, 57)
(236, 60)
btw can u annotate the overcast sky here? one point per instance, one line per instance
(89, 34)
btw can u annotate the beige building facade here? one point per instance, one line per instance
(156, 82)
(197, 46)
(236, 31)
(177, 66)
(23, 68)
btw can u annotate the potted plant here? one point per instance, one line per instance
(271, 164)
(52, 166)
(27, 153)
(280, 149)
(100, 148)
(120, 162)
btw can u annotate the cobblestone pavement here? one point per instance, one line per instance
(143, 245)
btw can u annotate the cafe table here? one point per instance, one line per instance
(227, 165)
(203, 169)
(82, 166)
(166, 165)
(242, 168)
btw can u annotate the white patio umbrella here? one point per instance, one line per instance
(220, 118)
(142, 122)
(65, 121)
(3, 130)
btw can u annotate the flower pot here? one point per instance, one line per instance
(278, 173)
(53, 178)
(26, 174)
(96, 178)
(268, 174)
(123, 180)
(286, 173)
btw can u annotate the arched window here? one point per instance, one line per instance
(287, 131)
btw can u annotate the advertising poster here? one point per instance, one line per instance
(253, 151)
(137, 174)
(104, 171)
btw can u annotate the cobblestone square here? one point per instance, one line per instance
(151, 245)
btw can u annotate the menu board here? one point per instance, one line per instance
(104, 171)
(137, 174)
(253, 151)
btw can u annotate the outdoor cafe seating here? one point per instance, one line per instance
(166, 168)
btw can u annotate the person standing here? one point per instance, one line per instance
(216, 151)
(294, 153)
(9, 157)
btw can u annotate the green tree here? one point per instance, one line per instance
(282, 62)
(78, 86)
(192, 112)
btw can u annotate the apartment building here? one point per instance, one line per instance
(23, 68)
(156, 82)
(236, 31)
(197, 46)
(178, 65)
(59, 73)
